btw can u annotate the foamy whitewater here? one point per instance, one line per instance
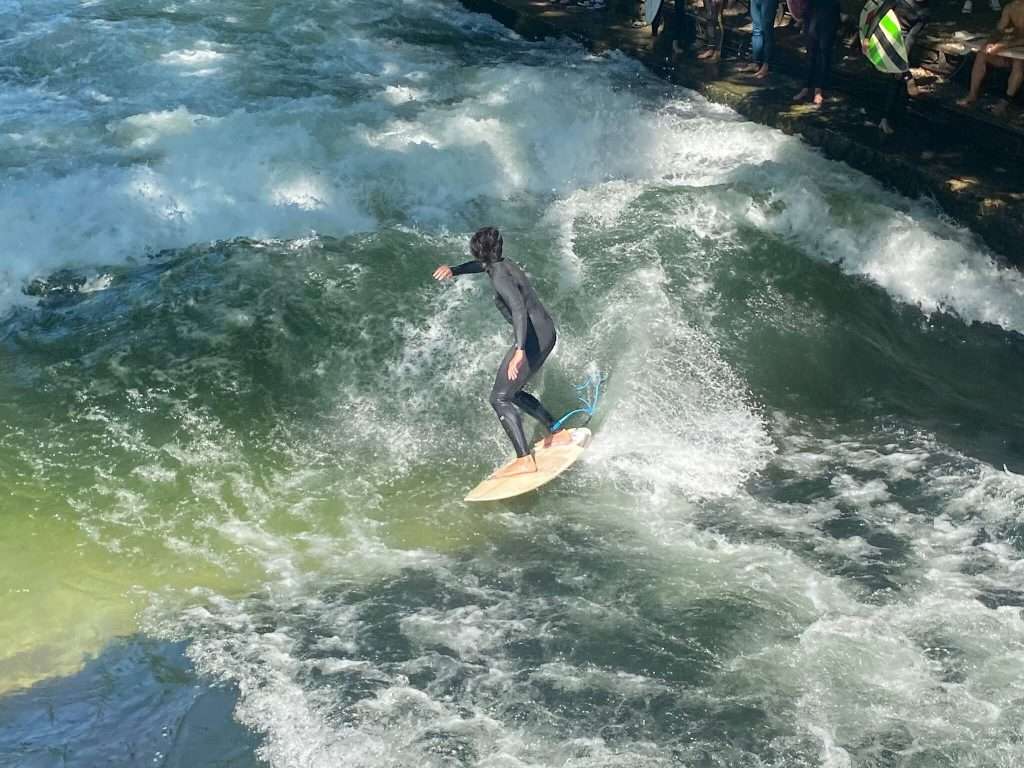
(240, 418)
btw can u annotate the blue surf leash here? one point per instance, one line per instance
(589, 394)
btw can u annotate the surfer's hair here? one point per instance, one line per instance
(485, 245)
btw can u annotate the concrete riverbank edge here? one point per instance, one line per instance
(965, 182)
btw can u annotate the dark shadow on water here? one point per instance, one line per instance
(139, 703)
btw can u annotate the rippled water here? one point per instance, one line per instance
(239, 417)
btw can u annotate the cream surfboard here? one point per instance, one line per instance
(551, 462)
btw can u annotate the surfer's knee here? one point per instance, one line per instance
(500, 400)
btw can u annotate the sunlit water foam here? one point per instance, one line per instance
(899, 660)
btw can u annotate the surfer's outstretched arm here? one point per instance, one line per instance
(473, 267)
(445, 272)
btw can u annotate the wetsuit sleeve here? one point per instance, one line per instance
(469, 268)
(510, 294)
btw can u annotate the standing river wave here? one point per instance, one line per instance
(239, 418)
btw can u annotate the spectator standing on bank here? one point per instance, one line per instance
(820, 27)
(762, 38)
(912, 15)
(714, 11)
(683, 29)
(969, 6)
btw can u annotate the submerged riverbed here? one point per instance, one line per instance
(239, 417)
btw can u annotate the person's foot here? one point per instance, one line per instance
(802, 96)
(913, 89)
(819, 97)
(968, 7)
(1000, 107)
(762, 73)
(561, 437)
(714, 58)
(885, 127)
(967, 101)
(748, 68)
(706, 54)
(524, 465)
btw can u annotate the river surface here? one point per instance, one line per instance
(238, 417)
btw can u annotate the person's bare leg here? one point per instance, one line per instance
(1016, 79)
(978, 72)
(1012, 88)
(524, 465)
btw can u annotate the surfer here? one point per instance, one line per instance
(534, 339)
(912, 16)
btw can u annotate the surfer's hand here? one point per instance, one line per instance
(443, 272)
(516, 364)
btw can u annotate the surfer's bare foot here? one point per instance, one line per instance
(524, 465)
(707, 53)
(561, 437)
(762, 73)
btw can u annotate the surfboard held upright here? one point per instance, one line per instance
(551, 462)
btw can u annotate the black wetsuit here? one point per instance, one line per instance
(535, 334)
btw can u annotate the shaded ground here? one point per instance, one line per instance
(967, 160)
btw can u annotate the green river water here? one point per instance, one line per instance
(238, 417)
